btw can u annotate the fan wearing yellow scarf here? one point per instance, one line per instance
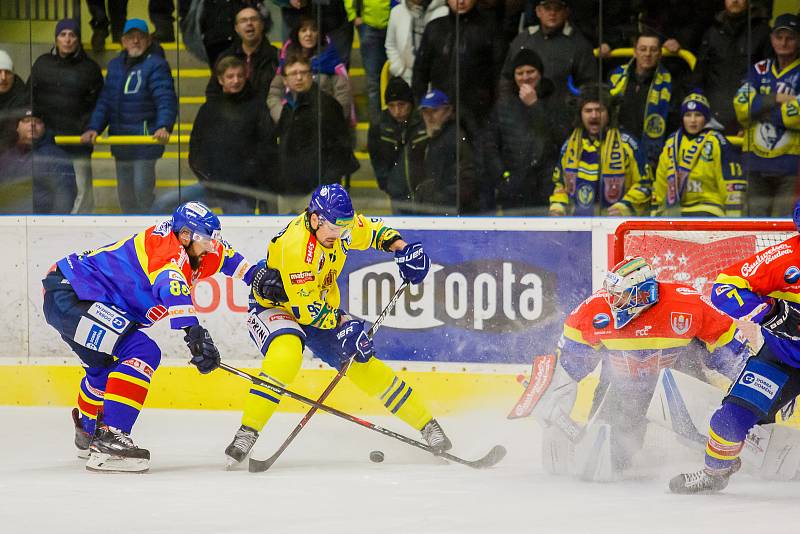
(698, 173)
(601, 171)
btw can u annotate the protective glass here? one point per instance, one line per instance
(340, 231)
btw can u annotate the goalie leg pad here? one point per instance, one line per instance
(594, 455)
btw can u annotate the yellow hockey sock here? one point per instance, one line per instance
(280, 365)
(377, 379)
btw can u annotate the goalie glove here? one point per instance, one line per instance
(782, 321)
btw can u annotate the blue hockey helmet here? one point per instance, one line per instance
(796, 215)
(198, 218)
(333, 205)
(631, 288)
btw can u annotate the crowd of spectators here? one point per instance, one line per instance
(515, 107)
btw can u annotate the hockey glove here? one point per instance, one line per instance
(267, 284)
(783, 321)
(353, 340)
(204, 354)
(413, 263)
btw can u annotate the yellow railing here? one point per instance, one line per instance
(685, 55)
(121, 140)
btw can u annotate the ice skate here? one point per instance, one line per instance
(113, 451)
(703, 480)
(82, 438)
(433, 434)
(240, 447)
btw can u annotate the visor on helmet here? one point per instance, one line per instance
(207, 242)
(341, 228)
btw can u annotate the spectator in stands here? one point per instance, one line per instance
(160, 12)
(678, 23)
(619, 26)
(36, 160)
(601, 170)
(397, 145)
(65, 84)
(334, 23)
(370, 18)
(219, 26)
(232, 144)
(698, 174)
(327, 68)
(480, 52)
(407, 21)
(314, 139)
(138, 98)
(566, 54)
(645, 90)
(524, 136)
(730, 46)
(254, 49)
(767, 106)
(450, 183)
(13, 98)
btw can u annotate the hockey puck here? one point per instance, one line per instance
(376, 456)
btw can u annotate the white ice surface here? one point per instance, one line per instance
(325, 483)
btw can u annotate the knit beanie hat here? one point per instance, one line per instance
(696, 102)
(398, 89)
(68, 24)
(5, 61)
(527, 57)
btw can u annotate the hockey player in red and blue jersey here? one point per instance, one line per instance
(636, 326)
(764, 289)
(100, 300)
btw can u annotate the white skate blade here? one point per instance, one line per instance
(100, 462)
(231, 464)
(83, 454)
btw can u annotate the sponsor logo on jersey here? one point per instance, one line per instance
(681, 322)
(301, 278)
(792, 275)
(187, 310)
(141, 366)
(760, 383)
(281, 317)
(765, 258)
(686, 291)
(601, 320)
(257, 329)
(762, 67)
(95, 337)
(156, 313)
(311, 246)
(330, 278)
(722, 288)
(321, 263)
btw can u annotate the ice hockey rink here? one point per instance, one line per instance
(325, 482)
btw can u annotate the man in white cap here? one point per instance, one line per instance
(13, 98)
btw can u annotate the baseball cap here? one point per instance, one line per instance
(563, 3)
(135, 24)
(26, 112)
(434, 99)
(786, 21)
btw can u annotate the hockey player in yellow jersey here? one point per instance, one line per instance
(699, 174)
(295, 302)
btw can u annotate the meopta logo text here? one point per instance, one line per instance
(487, 295)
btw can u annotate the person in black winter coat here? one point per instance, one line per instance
(449, 185)
(314, 139)
(260, 58)
(233, 141)
(65, 84)
(724, 58)
(397, 146)
(525, 132)
(35, 161)
(14, 98)
(218, 23)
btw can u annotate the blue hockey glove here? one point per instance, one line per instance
(204, 353)
(783, 321)
(413, 263)
(267, 284)
(353, 340)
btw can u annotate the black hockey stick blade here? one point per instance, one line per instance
(491, 458)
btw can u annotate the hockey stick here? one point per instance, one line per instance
(257, 466)
(491, 458)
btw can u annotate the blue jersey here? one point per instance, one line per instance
(149, 275)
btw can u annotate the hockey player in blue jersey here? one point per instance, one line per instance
(764, 289)
(100, 301)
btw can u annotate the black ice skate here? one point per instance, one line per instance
(703, 481)
(82, 438)
(113, 450)
(240, 447)
(433, 434)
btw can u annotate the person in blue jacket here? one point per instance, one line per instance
(138, 99)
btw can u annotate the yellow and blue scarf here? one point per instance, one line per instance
(579, 167)
(679, 166)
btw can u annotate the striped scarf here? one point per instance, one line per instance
(680, 164)
(611, 167)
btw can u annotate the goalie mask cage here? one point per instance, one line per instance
(693, 252)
